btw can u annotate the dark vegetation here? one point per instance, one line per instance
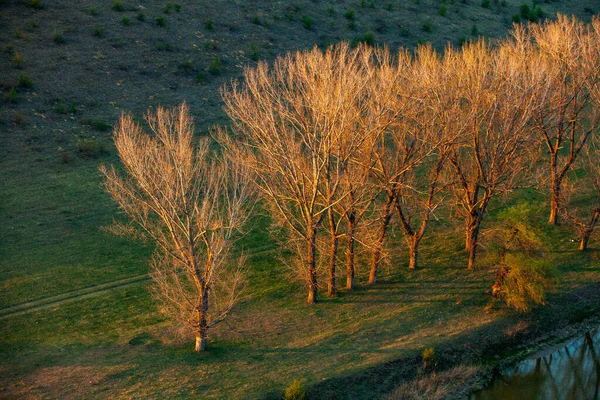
(55, 130)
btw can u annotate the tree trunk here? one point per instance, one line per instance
(472, 236)
(413, 247)
(311, 269)
(332, 263)
(350, 257)
(589, 229)
(202, 333)
(385, 222)
(499, 280)
(554, 193)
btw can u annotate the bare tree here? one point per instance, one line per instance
(497, 93)
(187, 202)
(586, 188)
(290, 123)
(411, 154)
(569, 57)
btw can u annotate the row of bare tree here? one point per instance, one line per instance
(334, 137)
(340, 142)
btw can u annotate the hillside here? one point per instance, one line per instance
(76, 316)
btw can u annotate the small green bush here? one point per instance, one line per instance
(201, 77)
(98, 31)
(25, 80)
(17, 60)
(427, 26)
(11, 96)
(187, 65)
(429, 358)
(125, 21)
(209, 24)
(350, 14)
(307, 22)
(296, 391)
(160, 21)
(368, 38)
(141, 17)
(254, 53)
(60, 108)
(35, 4)
(485, 4)
(93, 11)
(474, 30)
(90, 148)
(215, 66)
(516, 18)
(117, 5)
(58, 37)
(443, 11)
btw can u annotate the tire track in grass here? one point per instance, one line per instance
(72, 295)
(90, 291)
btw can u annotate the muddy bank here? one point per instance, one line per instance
(467, 362)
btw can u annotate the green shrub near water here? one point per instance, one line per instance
(296, 391)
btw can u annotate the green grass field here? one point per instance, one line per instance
(72, 342)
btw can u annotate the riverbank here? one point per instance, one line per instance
(470, 364)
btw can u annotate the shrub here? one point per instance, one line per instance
(525, 281)
(296, 391)
(209, 24)
(427, 26)
(350, 14)
(187, 65)
(60, 108)
(516, 18)
(256, 20)
(141, 17)
(352, 25)
(307, 22)
(160, 21)
(18, 118)
(200, 77)
(117, 5)
(17, 60)
(90, 148)
(35, 4)
(474, 30)
(485, 4)
(25, 80)
(368, 38)
(12, 96)
(443, 11)
(389, 6)
(523, 275)
(429, 358)
(254, 53)
(215, 66)
(125, 20)
(98, 31)
(58, 38)
(93, 11)
(331, 11)
(211, 45)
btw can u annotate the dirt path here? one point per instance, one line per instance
(72, 295)
(91, 291)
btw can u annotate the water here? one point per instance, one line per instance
(571, 373)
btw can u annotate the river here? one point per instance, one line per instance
(569, 373)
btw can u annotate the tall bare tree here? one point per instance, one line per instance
(565, 122)
(290, 122)
(584, 217)
(497, 94)
(190, 204)
(415, 135)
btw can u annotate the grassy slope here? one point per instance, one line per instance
(51, 211)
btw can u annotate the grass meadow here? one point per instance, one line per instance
(77, 319)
